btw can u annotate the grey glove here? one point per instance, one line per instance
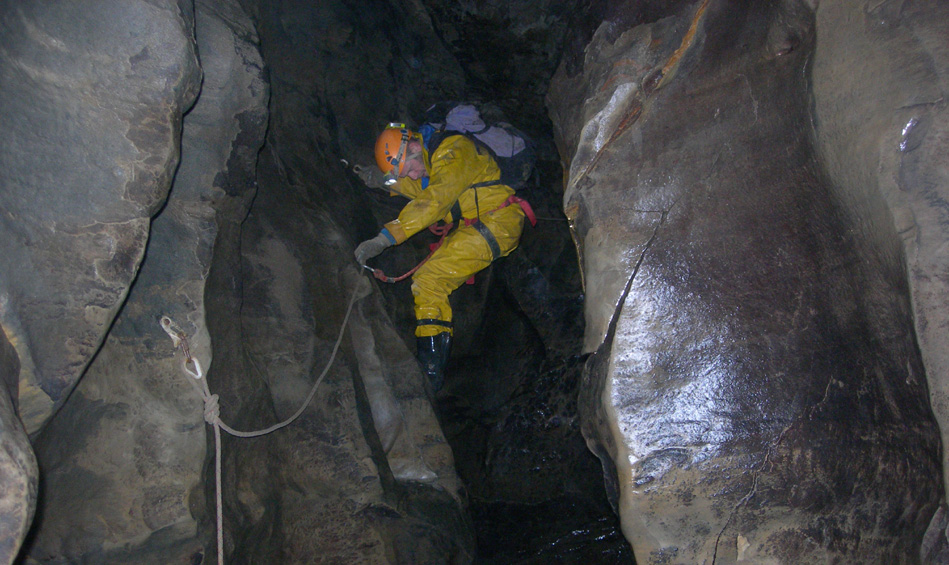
(371, 175)
(372, 247)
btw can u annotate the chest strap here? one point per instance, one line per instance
(483, 229)
(456, 207)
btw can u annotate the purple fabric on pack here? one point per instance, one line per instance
(466, 118)
(501, 142)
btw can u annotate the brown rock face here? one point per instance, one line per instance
(880, 79)
(91, 114)
(18, 470)
(123, 461)
(756, 392)
(125, 454)
(89, 152)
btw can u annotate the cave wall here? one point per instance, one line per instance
(880, 78)
(92, 106)
(756, 391)
(126, 453)
(17, 462)
(77, 225)
(124, 463)
(365, 472)
(244, 255)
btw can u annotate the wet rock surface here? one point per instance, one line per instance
(880, 79)
(756, 393)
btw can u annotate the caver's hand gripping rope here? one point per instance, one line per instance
(437, 230)
(212, 412)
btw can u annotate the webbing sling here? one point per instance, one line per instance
(489, 237)
(456, 207)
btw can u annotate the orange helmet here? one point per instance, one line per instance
(391, 148)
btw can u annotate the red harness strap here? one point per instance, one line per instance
(524, 204)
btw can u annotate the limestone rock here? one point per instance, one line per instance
(880, 83)
(92, 105)
(123, 459)
(18, 470)
(756, 393)
(364, 472)
(347, 481)
(91, 114)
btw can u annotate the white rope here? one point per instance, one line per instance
(212, 411)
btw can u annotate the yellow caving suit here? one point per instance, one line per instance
(454, 168)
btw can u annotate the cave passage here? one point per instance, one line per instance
(249, 250)
(509, 407)
(722, 342)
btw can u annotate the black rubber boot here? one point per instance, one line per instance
(432, 353)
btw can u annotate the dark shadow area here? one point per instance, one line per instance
(509, 409)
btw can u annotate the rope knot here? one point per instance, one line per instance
(212, 411)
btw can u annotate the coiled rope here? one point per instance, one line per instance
(212, 411)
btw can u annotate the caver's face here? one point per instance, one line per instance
(414, 166)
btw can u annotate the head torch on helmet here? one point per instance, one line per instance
(391, 147)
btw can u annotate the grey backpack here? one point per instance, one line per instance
(511, 148)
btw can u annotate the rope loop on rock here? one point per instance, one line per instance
(212, 409)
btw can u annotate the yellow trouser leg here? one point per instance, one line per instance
(463, 253)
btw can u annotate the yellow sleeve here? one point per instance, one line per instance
(406, 187)
(449, 175)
